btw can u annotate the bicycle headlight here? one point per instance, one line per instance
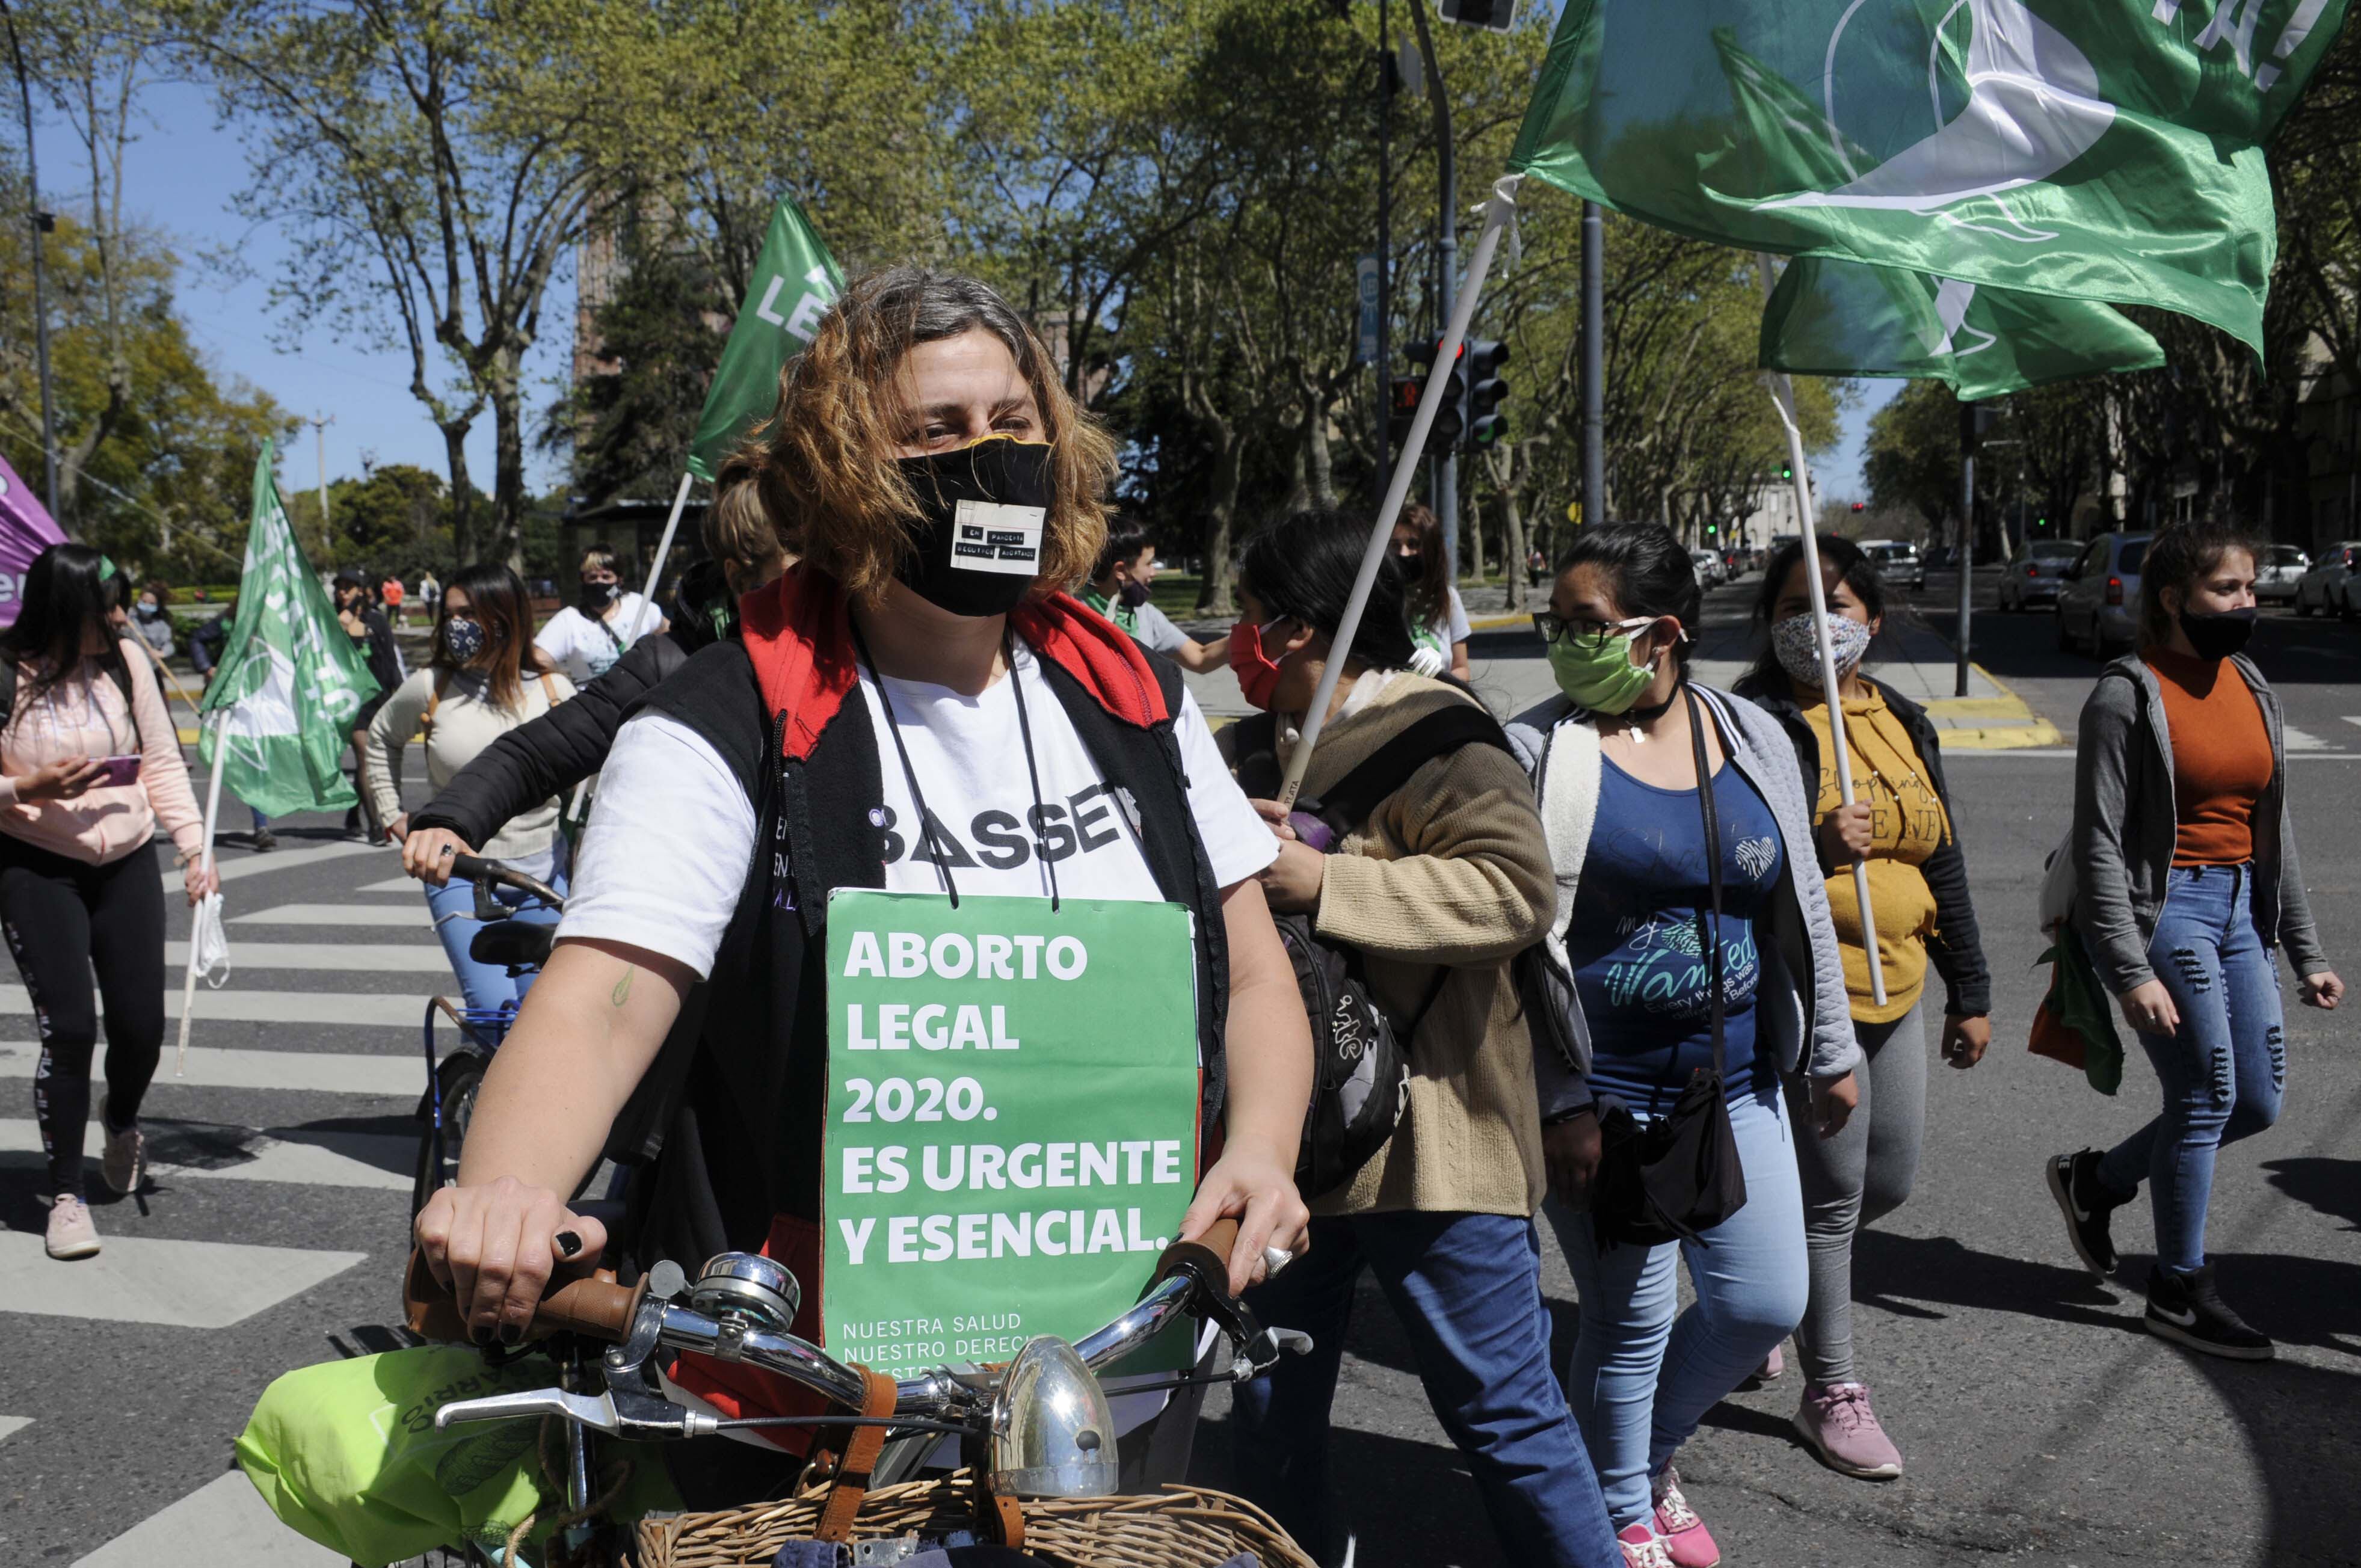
(1053, 1433)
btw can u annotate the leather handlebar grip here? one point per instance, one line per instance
(596, 1307)
(1212, 1249)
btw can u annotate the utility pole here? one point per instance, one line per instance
(42, 224)
(1594, 373)
(1446, 275)
(1967, 539)
(319, 424)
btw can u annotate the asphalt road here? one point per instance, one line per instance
(2040, 1424)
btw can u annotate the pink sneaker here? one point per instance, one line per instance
(70, 1232)
(1687, 1540)
(1642, 1547)
(1838, 1422)
(1775, 1366)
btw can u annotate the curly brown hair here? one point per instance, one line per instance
(825, 461)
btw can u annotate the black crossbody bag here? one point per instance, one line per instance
(1678, 1175)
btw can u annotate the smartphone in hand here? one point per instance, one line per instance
(120, 771)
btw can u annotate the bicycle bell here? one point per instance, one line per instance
(1053, 1433)
(748, 1286)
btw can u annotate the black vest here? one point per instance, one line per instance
(741, 1085)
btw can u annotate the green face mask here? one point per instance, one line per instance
(1603, 680)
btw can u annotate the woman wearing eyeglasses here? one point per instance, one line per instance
(1640, 892)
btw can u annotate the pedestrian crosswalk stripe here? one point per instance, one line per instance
(2296, 740)
(223, 1524)
(413, 915)
(362, 958)
(2353, 719)
(13, 1423)
(392, 884)
(235, 1006)
(278, 860)
(136, 1279)
(211, 1151)
(325, 1072)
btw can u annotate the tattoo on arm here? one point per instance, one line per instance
(622, 991)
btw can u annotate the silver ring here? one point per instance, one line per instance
(445, 850)
(1275, 1259)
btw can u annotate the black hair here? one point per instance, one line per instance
(1854, 569)
(1127, 537)
(1647, 569)
(67, 592)
(347, 580)
(2178, 555)
(1303, 567)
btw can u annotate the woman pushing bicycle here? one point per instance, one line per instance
(899, 713)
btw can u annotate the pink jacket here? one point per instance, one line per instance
(85, 716)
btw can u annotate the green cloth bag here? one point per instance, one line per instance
(345, 1453)
(2078, 1008)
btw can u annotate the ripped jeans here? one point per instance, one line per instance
(2223, 1072)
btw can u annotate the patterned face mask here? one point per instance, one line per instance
(1798, 651)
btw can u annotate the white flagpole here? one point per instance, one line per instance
(1498, 213)
(655, 567)
(1782, 398)
(206, 860)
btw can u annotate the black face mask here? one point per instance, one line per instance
(2219, 635)
(1413, 567)
(1131, 596)
(595, 597)
(983, 510)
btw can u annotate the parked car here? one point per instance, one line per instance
(2278, 569)
(2098, 606)
(1709, 569)
(1897, 562)
(2323, 586)
(2036, 574)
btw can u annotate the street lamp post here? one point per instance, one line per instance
(1446, 277)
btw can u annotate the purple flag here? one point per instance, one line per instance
(26, 530)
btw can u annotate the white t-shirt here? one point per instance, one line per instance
(664, 854)
(1446, 629)
(585, 648)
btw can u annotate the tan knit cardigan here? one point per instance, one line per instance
(1452, 869)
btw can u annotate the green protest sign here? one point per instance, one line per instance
(1012, 1119)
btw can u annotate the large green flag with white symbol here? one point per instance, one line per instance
(2095, 149)
(1845, 318)
(290, 679)
(794, 282)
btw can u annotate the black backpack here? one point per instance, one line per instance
(1360, 1054)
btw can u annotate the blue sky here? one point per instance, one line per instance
(181, 176)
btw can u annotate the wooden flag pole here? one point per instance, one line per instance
(1782, 398)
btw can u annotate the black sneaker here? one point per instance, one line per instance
(2087, 1207)
(2186, 1310)
(265, 840)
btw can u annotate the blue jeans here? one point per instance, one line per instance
(1638, 1381)
(487, 986)
(2222, 1070)
(1467, 1291)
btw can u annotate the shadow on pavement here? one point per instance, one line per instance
(2332, 1186)
(1410, 1501)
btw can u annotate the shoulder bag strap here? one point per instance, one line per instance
(1347, 803)
(1706, 809)
(549, 690)
(433, 701)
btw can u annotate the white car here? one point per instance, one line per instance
(1710, 572)
(1897, 562)
(2323, 587)
(2278, 569)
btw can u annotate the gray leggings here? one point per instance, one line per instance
(1864, 1173)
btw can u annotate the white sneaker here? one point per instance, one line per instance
(70, 1232)
(125, 1160)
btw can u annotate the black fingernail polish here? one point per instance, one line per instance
(568, 1244)
(511, 1334)
(483, 1338)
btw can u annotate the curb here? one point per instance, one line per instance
(2023, 727)
(1494, 623)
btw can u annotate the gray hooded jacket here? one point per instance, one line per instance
(2125, 828)
(1802, 997)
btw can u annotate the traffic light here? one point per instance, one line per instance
(1860, 506)
(1401, 407)
(1787, 471)
(1451, 419)
(1712, 530)
(1487, 426)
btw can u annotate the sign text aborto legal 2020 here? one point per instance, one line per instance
(1012, 1118)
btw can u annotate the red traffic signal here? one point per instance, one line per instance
(1859, 506)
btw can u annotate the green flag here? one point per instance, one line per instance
(794, 282)
(1842, 318)
(289, 677)
(2095, 149)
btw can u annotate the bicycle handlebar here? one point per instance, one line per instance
(598, 1307)
(480, 869)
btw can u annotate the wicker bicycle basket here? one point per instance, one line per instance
(1180, 1527)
